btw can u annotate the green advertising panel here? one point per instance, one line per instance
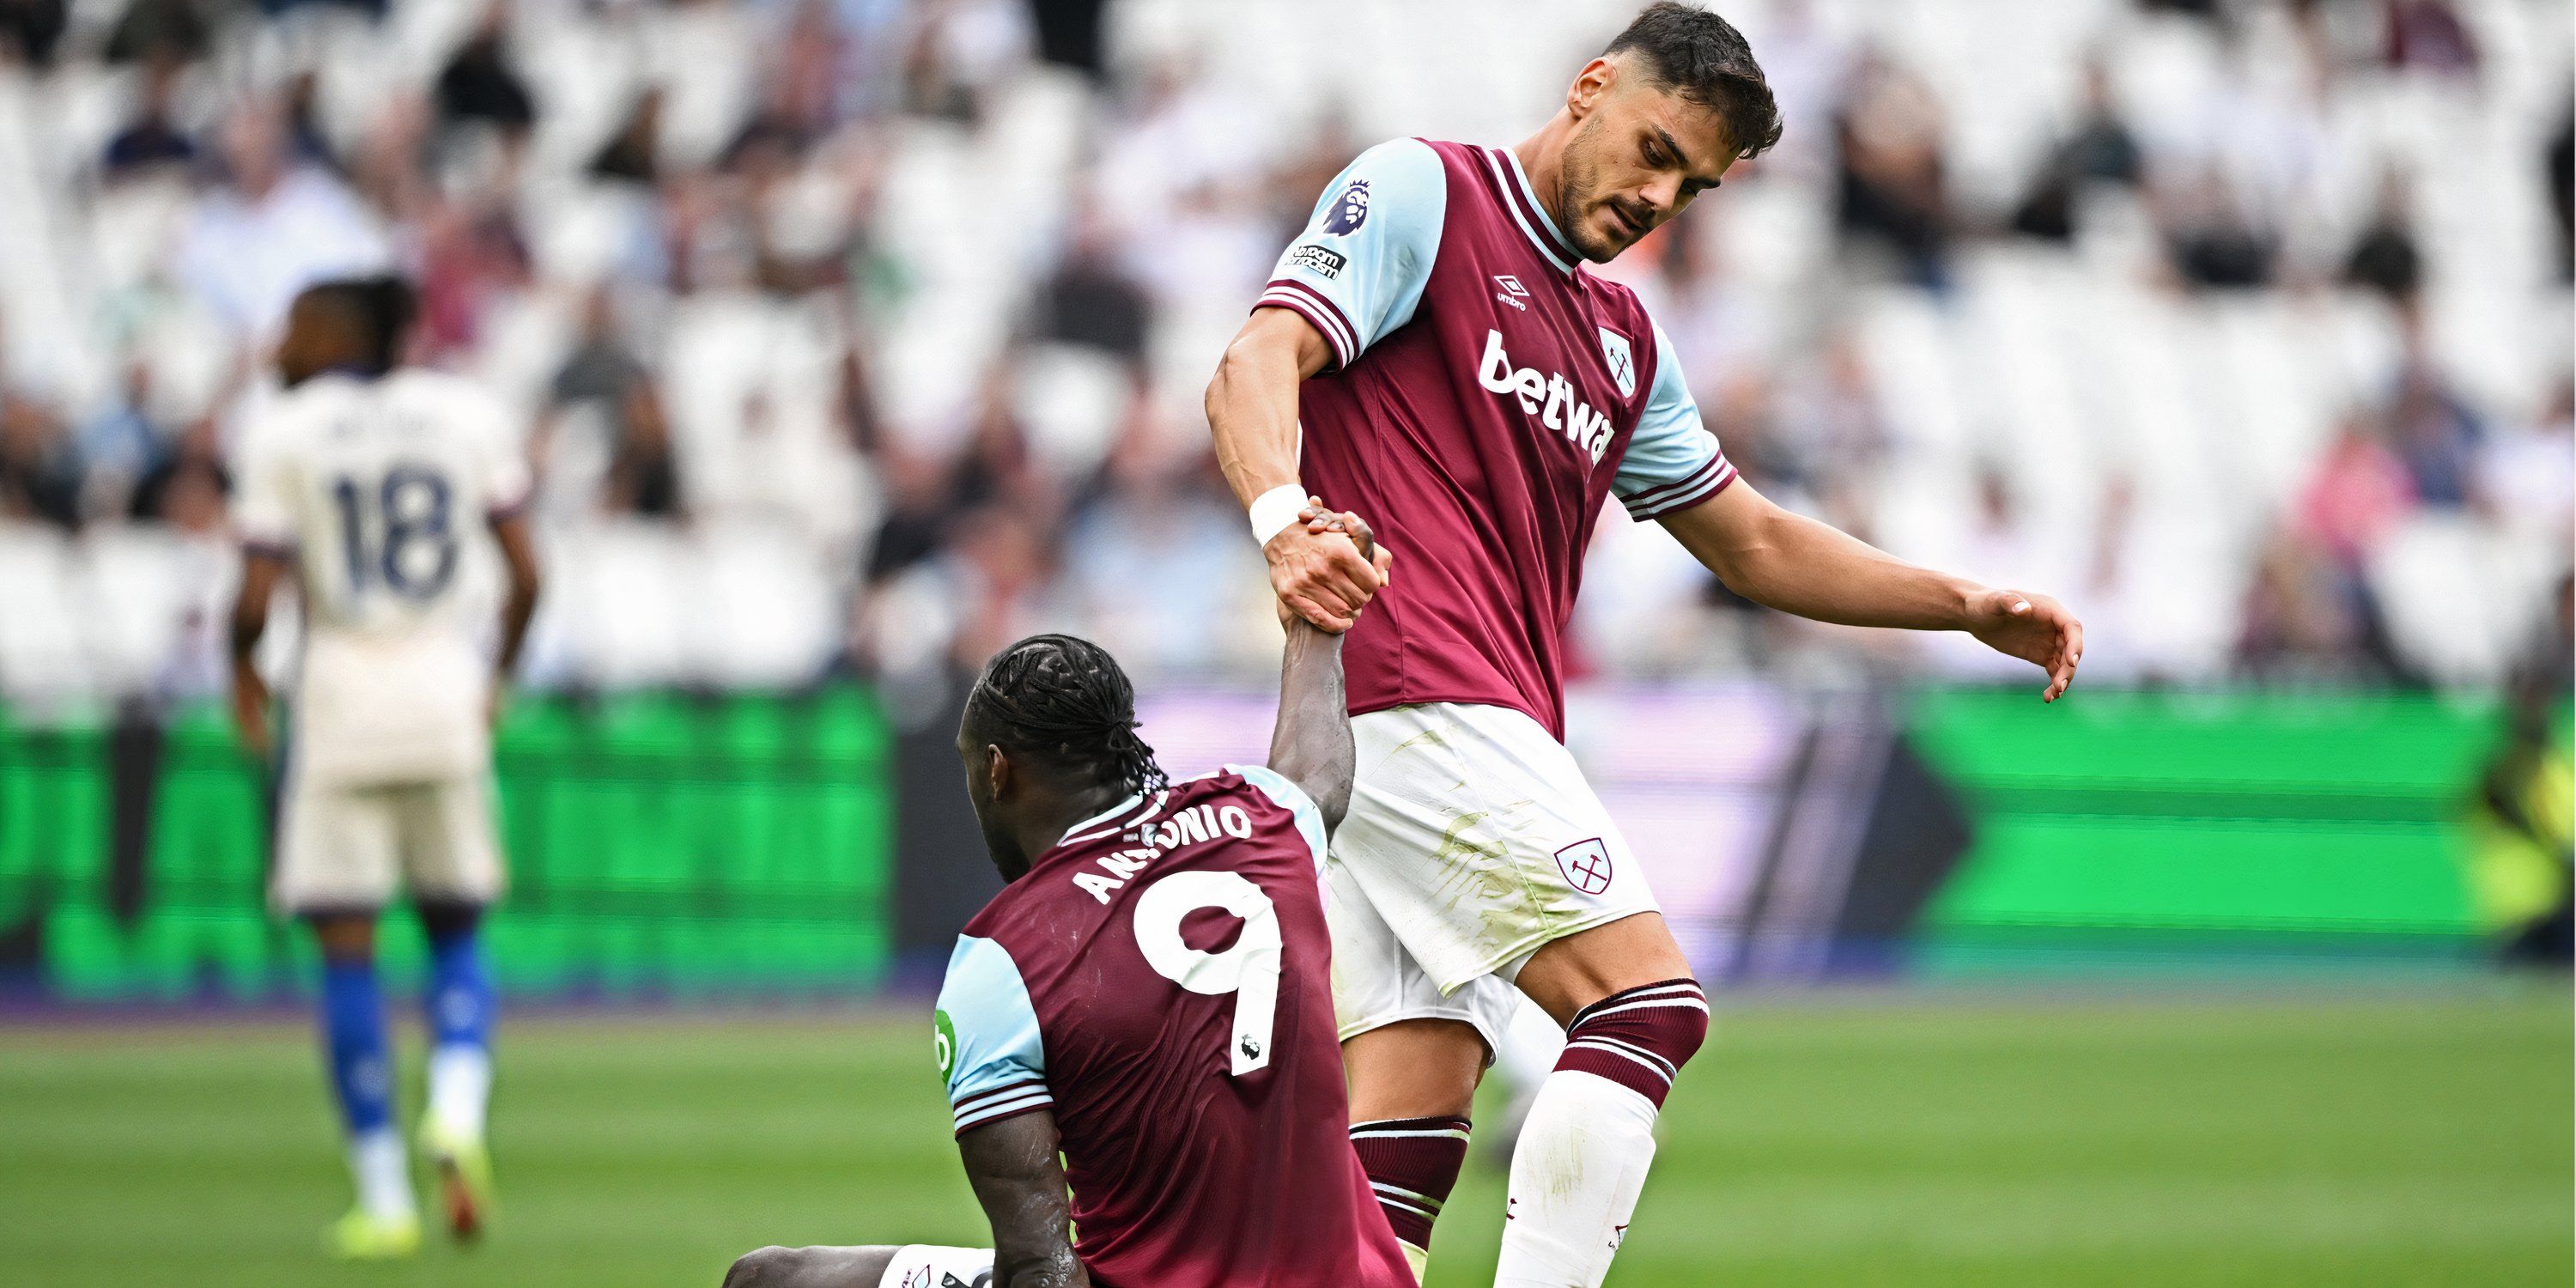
(658, 845)
(2299, 821)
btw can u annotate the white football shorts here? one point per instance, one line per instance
(344, 847)
(923, 1266)
(1472, 841)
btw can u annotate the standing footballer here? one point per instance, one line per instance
(1462, 381)
(362, 483)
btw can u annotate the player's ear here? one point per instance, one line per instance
(997, 772)
(1589, 84)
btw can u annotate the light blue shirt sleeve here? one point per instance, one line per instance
(987, 1037)
(1673, 462)
(1358, 269)
(1291, 797)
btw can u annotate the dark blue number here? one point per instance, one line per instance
(352, 541)
(416, 513)
(414, 503)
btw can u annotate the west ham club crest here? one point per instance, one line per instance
(1623, 364)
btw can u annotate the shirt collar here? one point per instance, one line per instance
(1522, 200)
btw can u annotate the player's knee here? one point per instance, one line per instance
(770, 1267)
(1639, 1037)
(345, 939)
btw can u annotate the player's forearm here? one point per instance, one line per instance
(1252, 414)
(1018, 1177)
(517, 611)
(519, 555)
(1311, 746)
(1797, 565)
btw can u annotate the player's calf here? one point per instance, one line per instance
(1412, 1164)
(1583, 1155)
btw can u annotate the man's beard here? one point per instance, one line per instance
(1574, 179)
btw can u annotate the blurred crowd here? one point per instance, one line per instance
(865, 335)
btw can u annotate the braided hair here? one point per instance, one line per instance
(1065, 699)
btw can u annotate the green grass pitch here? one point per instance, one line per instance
(2417, 1138)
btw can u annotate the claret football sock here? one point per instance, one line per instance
(353, 1036)
(1583, 1154)
(460, 1006)
(1412, 1163)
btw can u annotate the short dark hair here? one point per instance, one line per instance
(1064, 699)
(380, 307)
(1705, 59)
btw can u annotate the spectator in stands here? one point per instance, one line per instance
(472, 256)
(1157, 517)
(29, 29)
(481, 83)
(1893, 183)
(2358, 492)
(2528, 475)
(272, 226)
(2386, 258)
(1092, 301)
(633, 154)
(643, 474)
(151, 29)
(2099, 150)
(2211, 236)
(2437, 434)
(2298, 620)
(188, 478)
(957, 56)
(2430, 36)
(151, 139)
(119, 446)
(39, 469)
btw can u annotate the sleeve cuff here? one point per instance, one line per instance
(1705, 482)
(988, 1107)
(1289, 293)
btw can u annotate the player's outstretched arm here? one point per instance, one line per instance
(1311, 744)
(1252, 411)
(1797, 565)
(1019, 1178)
(259, 577)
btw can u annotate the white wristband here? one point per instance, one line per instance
(1274, 510)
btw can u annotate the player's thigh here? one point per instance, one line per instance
(1566, 975)
(1408, 1050)
(450, 850)
(1476, 839)
(336, 849)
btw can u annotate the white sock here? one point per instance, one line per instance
(1576, 1173)
(460, 1085)
(383, 1173)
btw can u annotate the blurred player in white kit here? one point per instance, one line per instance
(362, 483)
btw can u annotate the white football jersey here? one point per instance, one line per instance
(375, 488)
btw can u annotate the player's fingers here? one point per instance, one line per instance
(1347, 571)
(1341, 582)
(1322, 618)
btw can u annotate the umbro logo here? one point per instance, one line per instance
(1512, 292)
